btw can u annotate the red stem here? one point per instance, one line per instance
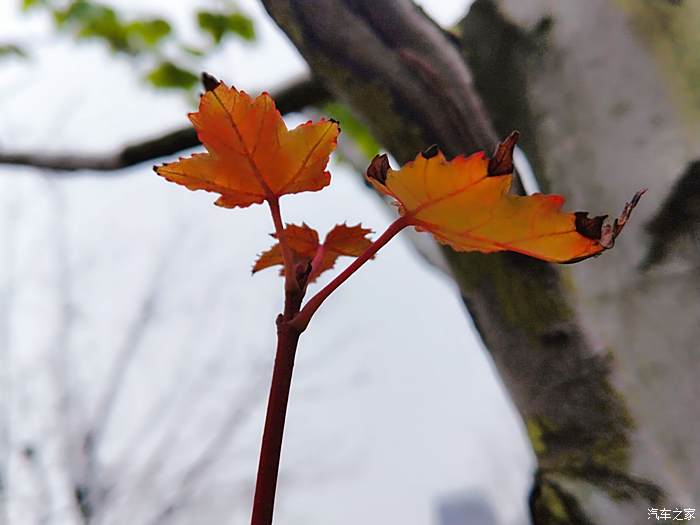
(287, 339)
(290, 278)
(316, 261)
(301, 321)
(290, 326)
(268, 467)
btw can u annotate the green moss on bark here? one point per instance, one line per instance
(671, 33)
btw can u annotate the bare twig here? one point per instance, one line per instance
(294, 97)
(7, 294)
(106, 403)
(175, 397)
(39, 474)
(187, 407)
(132, 341)
(192, 477)
(71, 430)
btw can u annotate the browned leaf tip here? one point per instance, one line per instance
(590, 227)
(626, 212)
(378, 168)
(610, 233)
(502, 161)
(595, 228)
(210, 82)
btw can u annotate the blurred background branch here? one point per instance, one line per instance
(290, 99)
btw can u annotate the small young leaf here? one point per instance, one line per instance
(304, 242)
(252, 156)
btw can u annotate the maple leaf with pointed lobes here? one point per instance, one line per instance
(465, 203)
(304, 243)
(252, 156)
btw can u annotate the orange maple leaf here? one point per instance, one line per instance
(466, 204)
(252, 156)
(304, 243)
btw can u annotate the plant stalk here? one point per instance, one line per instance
(270, 451)
(287, 340)
(290, 281)
(301, 321)
(290, 326)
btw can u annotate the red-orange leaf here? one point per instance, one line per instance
(341, 240)
(302, 240)
(252, 156)
(305, 246)
(466, 204)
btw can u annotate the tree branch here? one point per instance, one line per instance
(212, 452)
(677, 218)
(295, 97)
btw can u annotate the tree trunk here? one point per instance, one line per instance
(600, 119)
(609, 99)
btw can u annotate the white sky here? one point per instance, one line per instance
(394, 405)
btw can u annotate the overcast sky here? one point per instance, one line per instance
(395, 405)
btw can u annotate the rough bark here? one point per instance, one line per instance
(608, 94)
(409, 81)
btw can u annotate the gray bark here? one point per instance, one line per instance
(612, 91)
(597, 357)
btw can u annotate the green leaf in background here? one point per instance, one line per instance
(147, 32)
(28, 4)
(90, 20)
(220, 24)
(194, 51)
(353, 128)
(83, 12)
(168, 75)
(9, 50)
(143, 37)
